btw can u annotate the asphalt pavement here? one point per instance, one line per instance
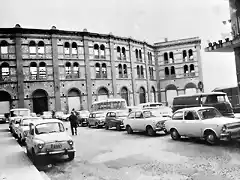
(113, 155)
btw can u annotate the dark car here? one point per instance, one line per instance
(115, 119)
(82, 117)
(96, 119)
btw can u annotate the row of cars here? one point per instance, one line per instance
(42, 137)
(195, 122)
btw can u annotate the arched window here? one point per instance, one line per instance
(151, 73)
(150, 55)
(41, 49)
(123, 53)
(33, 70)
(120, 71)
(96, 51)
(138, 71)
(184, 53)
(173, 71)
(104, 70)
(136, 54)
(97, 69)
(68, 69)
(185, 68)
(118, 53)
(142, 72)
(125, 73)
(140, 54)
(153, 94)
(32, 48)
(76, 70)
(124, 94)
(102, 51)
(5, 70)
(142, 95)
(149, 61)
(4, 47)
(171, 57)
(74, 48)
(103, 94)
(190, 54)
(165, 55)
(42, 70)
(66, 48)
(166, 71)
(192, 70)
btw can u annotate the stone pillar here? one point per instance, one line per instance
(199, 59)
(56, 77)
(133, 77)
(20, 75)
(87, 71)
(157, 76)
(147, 70)
(237, 62)
(113, 68)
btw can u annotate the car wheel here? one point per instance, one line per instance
(211, 138)
(71, 156)
(106, 126)
(34, 157)
(89, 125)
(28, 153)
(175, 135)
(165, 131)
(129, 129)
(118, 127)
(97, 125)
(150, 131)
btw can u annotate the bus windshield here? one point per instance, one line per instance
(216, 98)
(105, 105)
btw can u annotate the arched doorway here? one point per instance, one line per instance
(171, 92)
(190, 89)
(74, 100)
(142, 95)
(124, 94)
(5, 102)
(102, 94)
(153, 94)
(40, 101)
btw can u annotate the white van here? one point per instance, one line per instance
(164, 110)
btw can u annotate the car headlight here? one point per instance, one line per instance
(160, 124)
(224, 128)
(25, 133)
(70, 142)
(40, 145)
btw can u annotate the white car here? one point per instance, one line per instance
(203, 122)
(23, 128)
(145, 121)
(48, 137)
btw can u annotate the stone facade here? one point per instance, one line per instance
(53, 69)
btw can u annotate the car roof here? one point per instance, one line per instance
(30, 117)
(20, 109)
(193, 108)
(198, 94)
(46, 121)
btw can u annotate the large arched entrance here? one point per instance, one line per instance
(142, 95)
(74, 100)
(40, 101)
(153, 94)
(124, 94)
(171, 92)
(103, 94)
(190, 89)
(5, 102)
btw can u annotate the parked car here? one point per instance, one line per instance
(2, 118)
(48, 137)
(145, 121)
(59, 115)
(47, 115)
(14, 126)
(115, 119)
(203, 122)
(83, 117)
(96, 119)
(23, 128)
(165, 111)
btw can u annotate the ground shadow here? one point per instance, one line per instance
(4, 130)
(143, 134)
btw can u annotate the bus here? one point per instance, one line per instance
(109, 104)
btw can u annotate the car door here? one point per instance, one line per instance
(177, 122)
(139, 122)
(192, 124)
(30, 136)
(108, 119)
(130, 120)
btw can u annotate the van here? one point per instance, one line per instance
(164, 110)
(219, 100)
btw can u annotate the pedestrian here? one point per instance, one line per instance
(73, 123)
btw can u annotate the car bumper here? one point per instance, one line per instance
(65, 151)
(230, 135)
(159, 129)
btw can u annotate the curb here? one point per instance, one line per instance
(45, 177)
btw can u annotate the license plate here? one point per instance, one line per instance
(56, 146)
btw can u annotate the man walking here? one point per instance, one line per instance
(73, 123)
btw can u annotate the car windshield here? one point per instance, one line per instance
(20, 113)
(51, 127)
(149, 114)
(121, 114)
(99, 115)
(26, 122)
(209, 113)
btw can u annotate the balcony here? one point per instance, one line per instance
(227, 46)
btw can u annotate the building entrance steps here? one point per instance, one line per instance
(14, 163)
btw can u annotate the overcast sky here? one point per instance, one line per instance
(150, 20)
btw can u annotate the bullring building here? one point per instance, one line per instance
(51, 69)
